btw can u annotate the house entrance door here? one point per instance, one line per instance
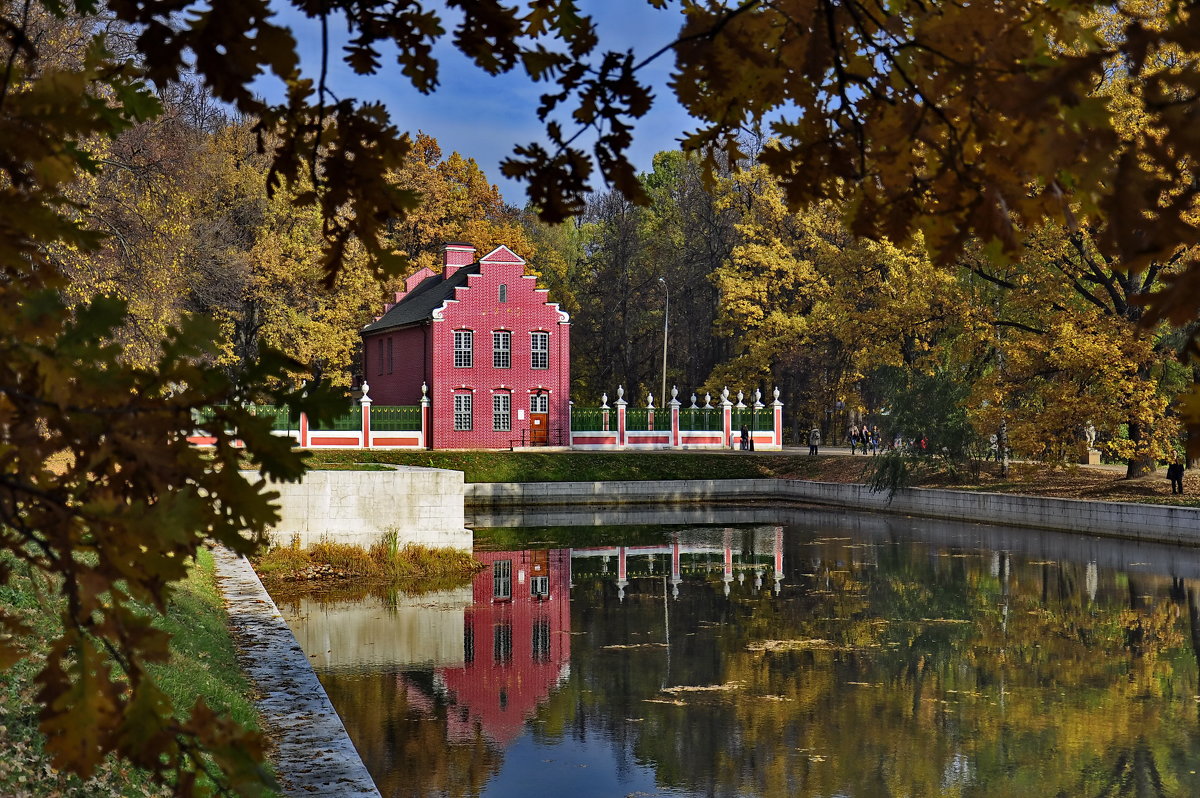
(539, 419)
(539, 429)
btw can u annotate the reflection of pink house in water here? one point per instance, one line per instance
(516, 641)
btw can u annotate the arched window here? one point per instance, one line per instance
(503, 292)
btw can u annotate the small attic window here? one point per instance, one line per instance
(503, 293)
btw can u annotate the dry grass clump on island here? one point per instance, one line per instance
(387, 559)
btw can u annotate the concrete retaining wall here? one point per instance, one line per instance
(1179, 525)
(312, 750)
(424, 504)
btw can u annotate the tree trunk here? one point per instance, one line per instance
(1138, 466)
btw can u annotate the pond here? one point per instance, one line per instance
(774, 652)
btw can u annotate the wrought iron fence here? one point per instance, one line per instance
(204, 415)
(591, 419)
(759, 420)
(342, 422)
(638, 418)
(395, 417)
(700, 418)
(281, 419)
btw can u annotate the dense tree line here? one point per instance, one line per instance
(852, 329)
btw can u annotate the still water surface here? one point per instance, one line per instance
(777, 652)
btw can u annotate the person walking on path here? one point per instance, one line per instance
(814, 440)
(1175, 474)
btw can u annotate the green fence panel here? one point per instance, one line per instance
(351, 420)
(700, 419)
(395, 417)
(591, 419)
(638, 418)
(280, 418)
(761, 420)
(205, 415)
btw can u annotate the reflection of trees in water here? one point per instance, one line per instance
(400, 732)
(1057, 683)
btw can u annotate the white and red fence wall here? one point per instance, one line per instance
(619, 426)
(706, 426)
(382, 427)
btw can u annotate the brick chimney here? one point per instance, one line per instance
(456, 254)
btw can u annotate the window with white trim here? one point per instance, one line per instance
(462, 411)
(540, 350)
(501, 412)
(539, 403)
(464, 341)
(502, 349)
(502, 579)
(503, 293)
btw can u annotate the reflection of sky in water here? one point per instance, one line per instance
(587, 768)
(894, 656)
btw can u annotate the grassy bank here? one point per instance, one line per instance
(203, 664)
(500, 466)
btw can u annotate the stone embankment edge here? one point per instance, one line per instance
(314, 754)
(1148, 522)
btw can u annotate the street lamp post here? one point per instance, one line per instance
(666, 319)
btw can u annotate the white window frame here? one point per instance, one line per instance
(464, 349)
(503, 293)
(502, 349)
(539, 358)
(502, 579)
(501, 412)
(537, 401)
(464, 412)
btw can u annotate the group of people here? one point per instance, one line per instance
(861, 438)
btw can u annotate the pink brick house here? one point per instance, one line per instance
(491, 347)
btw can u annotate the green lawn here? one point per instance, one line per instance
(203, 665)
(501, 466)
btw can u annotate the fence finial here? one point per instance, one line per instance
(620, 392)
(740, 397)
(366, 400)
(708, 400)
(777, 402)
(694, 405)
(758, 405)
(424, 390)
(649, 401)
(725, 394)
(604, 401)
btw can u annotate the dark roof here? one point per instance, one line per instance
(418, 304)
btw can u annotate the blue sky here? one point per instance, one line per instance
(484, 117)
